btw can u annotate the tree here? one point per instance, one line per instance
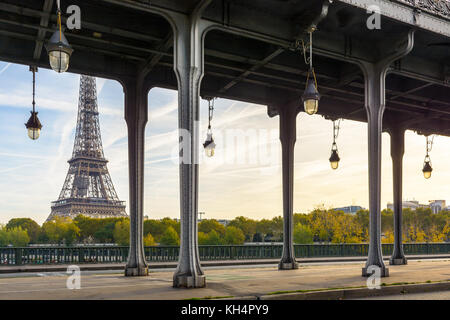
(121, 233)
(248, 226)
(3, 236)
(234, 235)
(28, 225)
(60, 230)
(257, 237)
(213, 238)
(88, 226)
(207, 225)
(303, 234)
(202, 238)
(18, 237)
(264, 227)
(148, 240)
(170, 237)
(155, 227)
(106, 233)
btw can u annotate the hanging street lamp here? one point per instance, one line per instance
(209, 144)
(33, 124)
(311, 95)
(427, 168)
(334, 158)
(58, 48)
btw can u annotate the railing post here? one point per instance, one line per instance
(81, 255)
(18, 256)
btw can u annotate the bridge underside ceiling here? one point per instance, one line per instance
(251, 55)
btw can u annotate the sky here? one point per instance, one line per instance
(242, 179)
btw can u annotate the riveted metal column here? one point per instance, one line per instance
(188, 65)
(397, 150)
(136, 118)
(288, 117)
(375, 105)
(375, 98)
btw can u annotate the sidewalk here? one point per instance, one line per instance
(231, 283)
(217, 263)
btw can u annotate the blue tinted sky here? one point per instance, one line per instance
(244, 178)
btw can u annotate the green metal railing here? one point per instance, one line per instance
(117, 254)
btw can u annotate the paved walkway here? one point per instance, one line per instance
(440, 295)
(216, 263)
(221, 282)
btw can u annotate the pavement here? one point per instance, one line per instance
(439, 295)
(238, 282)
(214, 263)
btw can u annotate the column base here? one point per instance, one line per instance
(384, 272)
(287, 265)
(182, 281)
(398, 261)
(136, 271)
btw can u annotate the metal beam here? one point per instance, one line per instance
(411, 91)
(163, 46)
(255, 67)
(41, 33)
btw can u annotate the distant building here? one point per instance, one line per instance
(412, 204)
(223, 222)
(349, 209)
(437, 205)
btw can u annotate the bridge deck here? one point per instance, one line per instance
(223, 282)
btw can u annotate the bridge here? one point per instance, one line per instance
(395, 78)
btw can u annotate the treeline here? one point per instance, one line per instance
(86, 230)
(320, 225)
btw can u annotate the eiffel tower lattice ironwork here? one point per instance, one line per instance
(88, 188)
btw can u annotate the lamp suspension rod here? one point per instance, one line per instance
(33, 69)
(58, 4)
(336, 128)
(210, 111)
(310, 51)
(429, 143)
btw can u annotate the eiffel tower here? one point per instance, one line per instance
(88, 188)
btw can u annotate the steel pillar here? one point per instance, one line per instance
(189, 35)
(288, 132)
(375, 76)
(136, 111)
(397, 150)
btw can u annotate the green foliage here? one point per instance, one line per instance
(13, 236)
(207, 225)
(148, 240)
(214, 238)
(3, 236)
(419, 225)
(202, 238)
(27, 224)
(247, 226)
(234, 235)
(106, 233)
(157, 228)
(303, 234)
(96, 229)
(257, 237)
(170, 237)
(60, 231)
(121, 233)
